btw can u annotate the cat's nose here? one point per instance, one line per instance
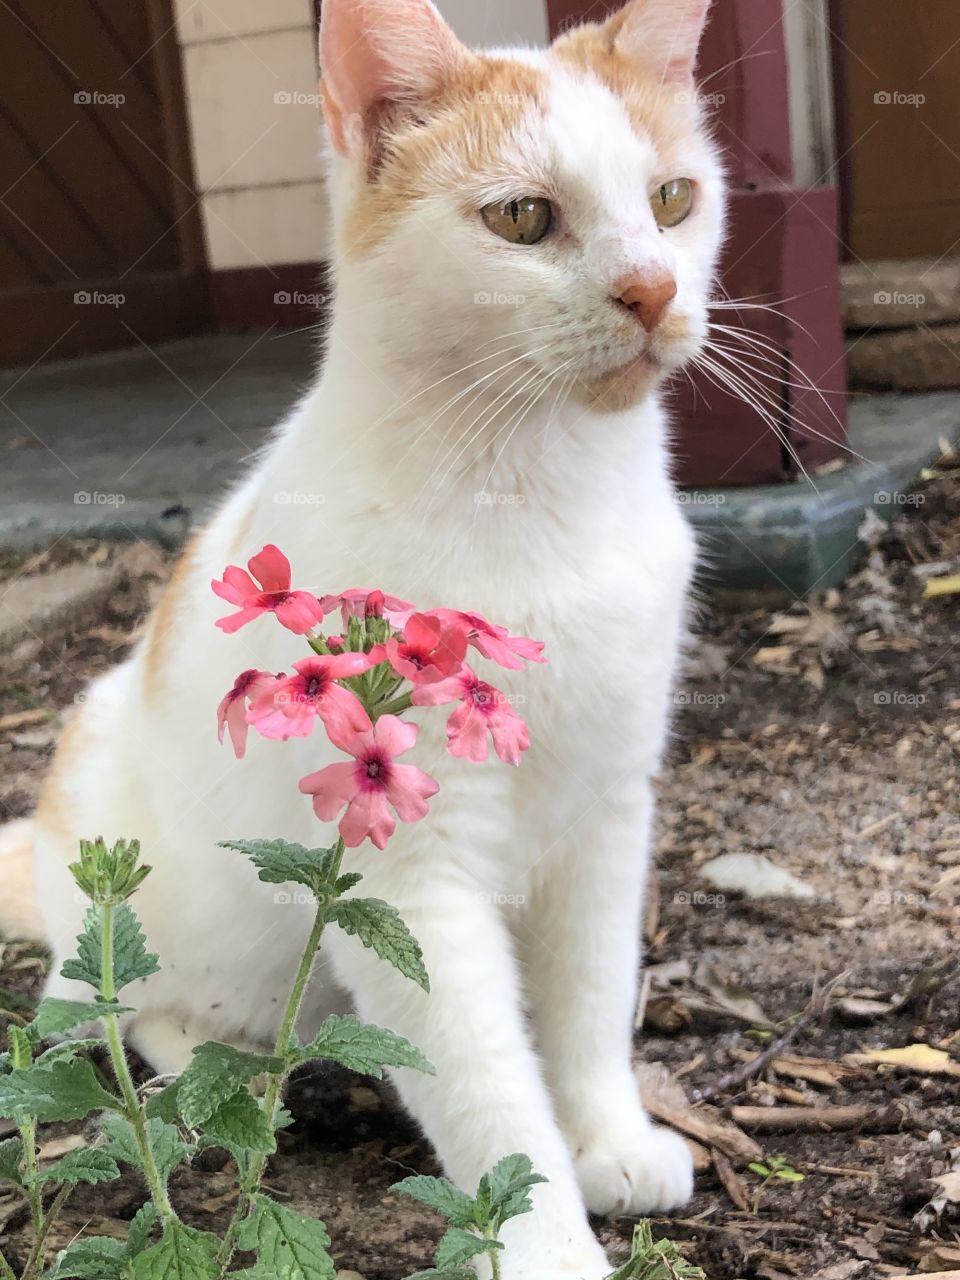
(646, 295)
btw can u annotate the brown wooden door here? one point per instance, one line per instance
(100, 240)
(899, 116)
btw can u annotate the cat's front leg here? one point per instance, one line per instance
(582, 956)
(488, 1098)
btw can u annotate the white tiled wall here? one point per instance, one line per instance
(251, 82)
(250, 72)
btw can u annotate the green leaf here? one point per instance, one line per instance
(55, 1017)
(169, 1149)
(503, 1191)
(761, 1169)
(378, 926)
(66, 1051)
(86, 1164)
(288, 1246)
(362, 1047)
(182, 1254)
(241, 1124)
(95, 1258)
(11, 1153)
(448, 1273)
(216, 1073)
(655, 1260)
(347, 881)
(459, 1246)
(63, 1091)
(164, 1104)
(131, 960)
(138, 1233)
(440, 1194)
(279, 861)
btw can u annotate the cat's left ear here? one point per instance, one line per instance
(380, 59)
(664, 34)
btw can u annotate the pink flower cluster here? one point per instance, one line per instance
(386, 657)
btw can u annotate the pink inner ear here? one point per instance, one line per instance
(665, 34)
(376, 51)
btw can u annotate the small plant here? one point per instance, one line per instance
(357, 684)
(475, 1221)
(655, 1259)
(211, 1104)
(774, 1169)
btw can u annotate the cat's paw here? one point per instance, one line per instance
(641, 1170)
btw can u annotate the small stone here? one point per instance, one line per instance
(907, 359)
(898, 294)
(36, 604)
(754, 876)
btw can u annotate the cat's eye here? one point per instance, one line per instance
(522, 221)
(672, 202)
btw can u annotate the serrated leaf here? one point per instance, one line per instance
(86, 1164)
(66, 1051)
(448, 1273)
(55, 1017)
(131, 960)
(163, 1104)
(63, 1091)
(217, 1072)
(347, 881)
(169, 1149)
(239, 1124)
(11, 1153)
(459, 1246)
(182, 1254)
(280, 861)
(440, 1194)
(362, 1047)
(378, 926)
(504, 1190)
(138, 1233)
(95, 1258)
(288, 1246)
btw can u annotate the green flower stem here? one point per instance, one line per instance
(132, 1109)
(6, 1271)
(494, 1255)
(21, 1057)
(36, 1257)
(250, 1180)
(394, 708)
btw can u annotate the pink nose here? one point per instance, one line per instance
(646, 295)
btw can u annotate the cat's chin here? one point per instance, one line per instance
(622, 387)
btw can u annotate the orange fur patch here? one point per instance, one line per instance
(468, 124)
(156, 651)
(54, 804)
(655, 109)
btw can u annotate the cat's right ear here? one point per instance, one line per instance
(379, 59)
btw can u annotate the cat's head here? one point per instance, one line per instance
(561, 209)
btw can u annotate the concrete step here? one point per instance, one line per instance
(899, 294)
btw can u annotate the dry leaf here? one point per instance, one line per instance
(943, 586)
(913, 1057)
(18, 719)
(733, 1184)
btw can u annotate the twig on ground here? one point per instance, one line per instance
(789, 1119)
(817, 1006)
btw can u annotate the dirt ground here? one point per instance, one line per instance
(824, 736)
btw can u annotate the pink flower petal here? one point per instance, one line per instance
(367, 815)
(271, 568)
(331, 788)
(300, 612)
(394, 736)
(408, 789)
(234, 621)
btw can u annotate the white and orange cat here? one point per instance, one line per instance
(525, 248)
